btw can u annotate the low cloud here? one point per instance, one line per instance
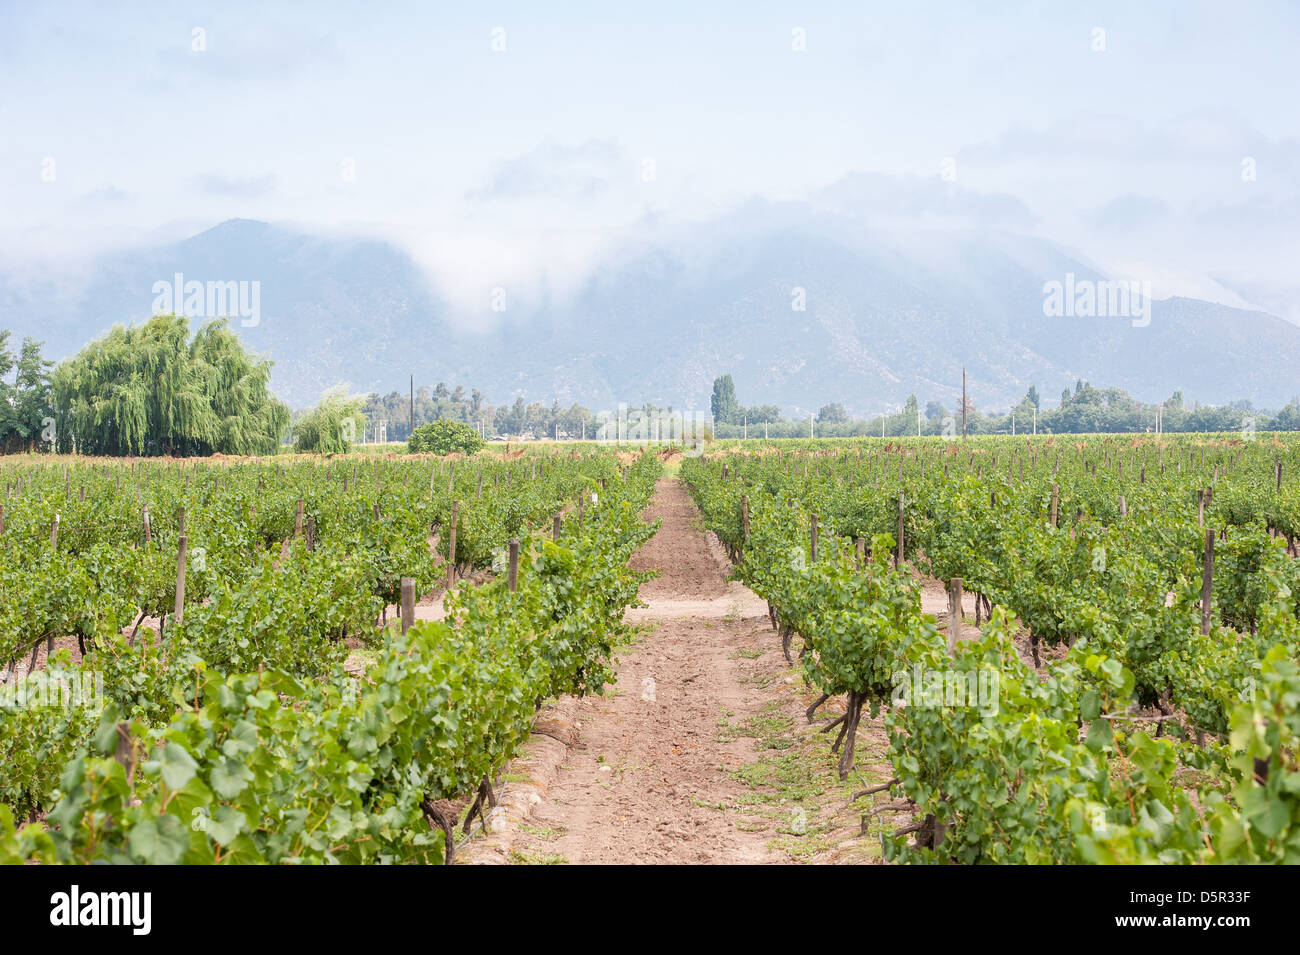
(236, 187)
(105, 194)
(555, 171)
(1131, 212)
(876, 198)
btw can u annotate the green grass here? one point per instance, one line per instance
(521, 857)
(544, 832)
(796, 772)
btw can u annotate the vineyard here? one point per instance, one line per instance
(196, 621)
(1130, 691)
(238, 660)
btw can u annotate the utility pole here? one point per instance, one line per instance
(810, 424)
(963, 402)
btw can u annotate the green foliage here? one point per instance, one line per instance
(250, 741)
(445, 437)
(150, 389)
(832, 413)
(332, 426)
(723, 402)
(25, 405)
(1260, 822)
(1065, 761)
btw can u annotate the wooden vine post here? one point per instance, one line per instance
(408, 603)
(513, 571)
(898, 558)
(954, 612)
(451, 545)
(180, 578)
(1207, 580)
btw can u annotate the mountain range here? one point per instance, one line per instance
(884, 314)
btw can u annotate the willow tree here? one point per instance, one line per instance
(333, 425)
(152, 389)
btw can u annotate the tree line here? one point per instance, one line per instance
(1083, 410)
(159, 389)
(444, 402)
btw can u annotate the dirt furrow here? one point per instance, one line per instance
(650, 770)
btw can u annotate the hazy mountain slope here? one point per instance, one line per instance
(886, 315)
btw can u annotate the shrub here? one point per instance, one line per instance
(443, 437)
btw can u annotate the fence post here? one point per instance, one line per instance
(813, 541)
(555, 527)
(514, 565)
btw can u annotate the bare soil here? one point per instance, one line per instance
(700, 753)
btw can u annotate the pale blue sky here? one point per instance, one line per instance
(532, 158)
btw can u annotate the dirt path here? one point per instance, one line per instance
(648, 769)
(697, 754)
